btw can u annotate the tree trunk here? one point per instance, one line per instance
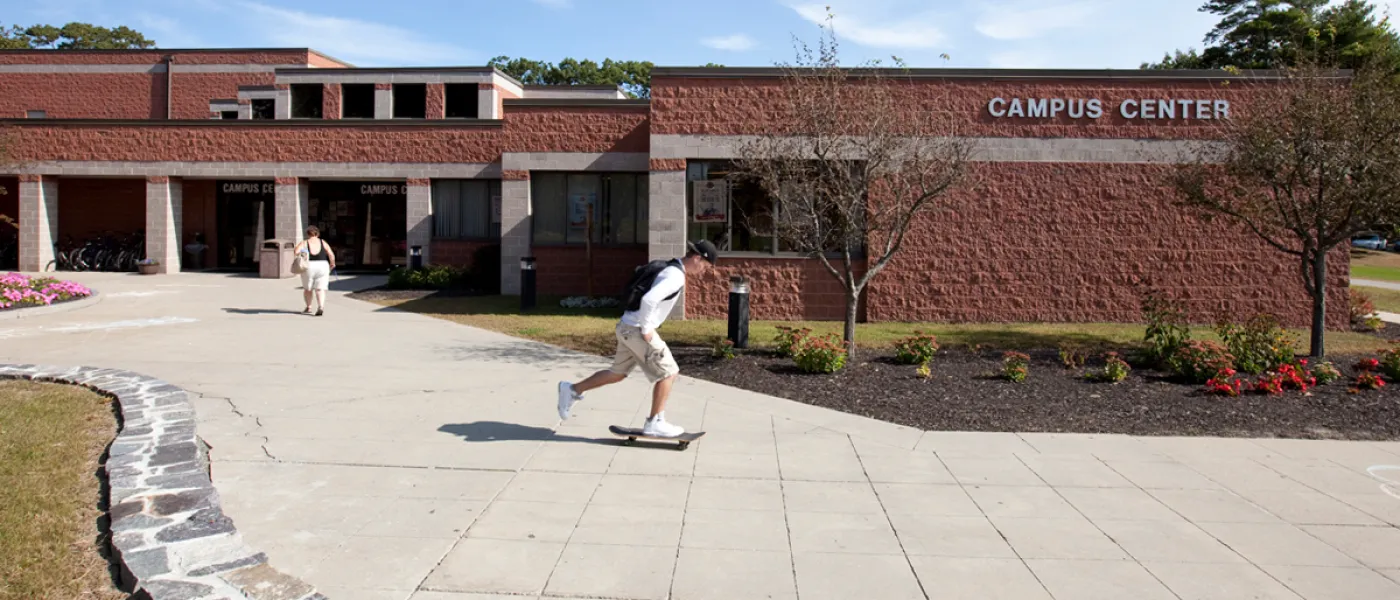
(852, 302)
(1319, 294)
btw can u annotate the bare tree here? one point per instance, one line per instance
(1313, 160)
(857, 155)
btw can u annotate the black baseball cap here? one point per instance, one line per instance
(705, 249)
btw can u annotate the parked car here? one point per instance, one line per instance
(1371, 241)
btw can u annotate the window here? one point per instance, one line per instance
(264, 108)
(410, 100)
(228, 114)
(36, 114)
(357, 101)
(306, 100)
(466, 208)
(561, 204)
(461, 100)
(747, 216)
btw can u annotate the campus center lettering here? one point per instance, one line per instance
(1093, 108)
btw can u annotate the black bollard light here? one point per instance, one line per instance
(527, 283)
(415, 258)
(739, 311)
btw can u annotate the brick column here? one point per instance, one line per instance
(38, 222)
(383, 101)
(486, 100)
(420, 218)
(330, 101)
(437, 101)
(666, 218)
(164, 205)
(289, 208)
(515, 228)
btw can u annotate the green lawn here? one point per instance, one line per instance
(592, 330)
(1368, 264)
(1385, 300)
(1380, 273)
(51, 437)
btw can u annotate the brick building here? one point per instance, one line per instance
(237, 146)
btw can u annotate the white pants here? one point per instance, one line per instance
(317, 276)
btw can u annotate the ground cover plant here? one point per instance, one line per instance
(20, 291)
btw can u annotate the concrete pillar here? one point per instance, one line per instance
(420, 218)
(383, 101)
(38, 222)
(165, 200)
(487, 97)
(245, 109)
(515, 228)
(283, 103)
(666, 221)
(289, 209)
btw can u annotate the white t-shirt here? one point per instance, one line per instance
(655, 306)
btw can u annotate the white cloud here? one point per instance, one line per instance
(904, 30)
(737, 42)
(1017, 59)
(359, 42)
(1026, 20)
(167, 32)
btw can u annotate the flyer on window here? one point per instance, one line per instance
(711, 201)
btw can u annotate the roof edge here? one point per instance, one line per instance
(338, 123)
(945, 73)
(579, 102)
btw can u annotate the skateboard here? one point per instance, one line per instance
(633, 434)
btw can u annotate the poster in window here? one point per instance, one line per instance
(711, 201)
(578, 208)
(496, 208)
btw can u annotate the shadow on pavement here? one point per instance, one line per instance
(496, 431)
(523, 352)
(261, 311)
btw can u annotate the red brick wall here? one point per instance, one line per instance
(457, 253)
(85, 95)
(530, 130)
(1049, 242)
(90, 207)
(562, 270)
(199, 215)
(752, 106)
(193, 91)
(436, 101)
(331, 100)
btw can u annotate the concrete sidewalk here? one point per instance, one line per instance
(384, 455)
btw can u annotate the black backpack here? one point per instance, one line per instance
(641, 281)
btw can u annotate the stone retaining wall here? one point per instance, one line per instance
(169, 536)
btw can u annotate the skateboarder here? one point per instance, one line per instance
(638, 344)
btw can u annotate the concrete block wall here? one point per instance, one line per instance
(164, 207)
(515, 228)
(420, 218)
(383, 101)
(290, 206)
(666, 227)
(38, 222)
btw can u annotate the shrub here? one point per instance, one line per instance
(1166, 328)
(1261, 345)
(1073, 356)
(1363, 311)
(1390, 363)
(1368, 381)
(1295, 378)
(1200, 360)
(917, 349)
(1015, 366)
(722, 348)
(1224, 384)
(790, 339)
(924, 372)
(1326, 373)
(433, 277)
(1367, 364)
(1115, 369)
(826, 354)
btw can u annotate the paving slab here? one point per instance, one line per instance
(378, 454)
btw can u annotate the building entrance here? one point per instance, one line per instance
(365, 222)
(244, 210)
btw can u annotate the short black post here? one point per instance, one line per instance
(739, 311)
(415, 257)
(527, 283)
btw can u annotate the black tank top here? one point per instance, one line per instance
(322, 256)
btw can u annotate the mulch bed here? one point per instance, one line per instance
(385, 294)
(965, 394)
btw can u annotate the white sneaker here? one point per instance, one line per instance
(567, 398)
(660, 428)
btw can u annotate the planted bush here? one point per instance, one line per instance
(1390, 363)
(1224, 384)
(1115, 369)
(1199, 361)
(434, 277)
(1166, 328)
(1072, 356)
(722, 348)
(826, 354)
(1261, 345)
(1363, 312)
(18, 291)
(1326, 373)
(917, 349)
(790, 339)
(1015, 366)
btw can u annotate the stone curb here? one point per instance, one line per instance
(61, 307)
(169, 536)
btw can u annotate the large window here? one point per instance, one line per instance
(561, 203)
(466, 208)
(736, 215)
(306, 100)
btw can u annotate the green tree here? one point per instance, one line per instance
(632, 75)
(73, 36)
(1273, 34)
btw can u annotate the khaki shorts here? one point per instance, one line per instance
(654, 357)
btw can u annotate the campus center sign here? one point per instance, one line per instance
(1093, 108)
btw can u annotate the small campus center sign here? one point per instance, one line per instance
(1094, 108)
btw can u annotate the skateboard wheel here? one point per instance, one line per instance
(683, 445)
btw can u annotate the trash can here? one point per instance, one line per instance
(275, 259)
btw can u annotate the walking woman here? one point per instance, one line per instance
(317, 276)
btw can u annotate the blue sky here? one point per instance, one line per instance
(973, 33)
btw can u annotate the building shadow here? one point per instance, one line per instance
(261, 311)
(496, 431)
(522, 352)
